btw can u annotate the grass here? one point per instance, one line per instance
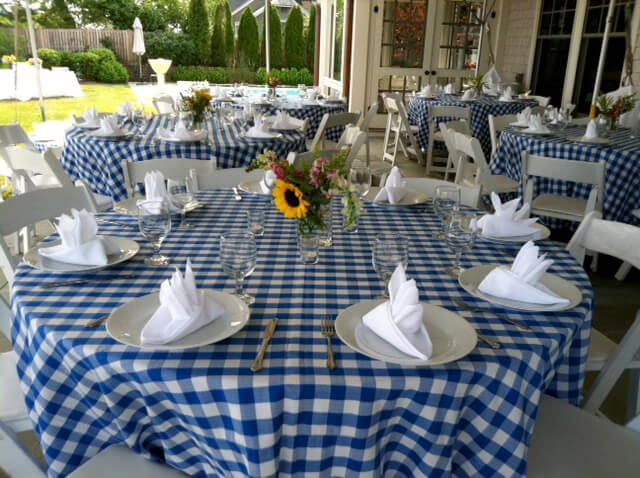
(104, 97)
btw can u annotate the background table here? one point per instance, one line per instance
(54, 83)
(97, 160)
(622, 172)
(480, 111)
(207, 413)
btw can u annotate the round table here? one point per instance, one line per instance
(97, 160)
(204, 411)
(481, 108)
(622, 172)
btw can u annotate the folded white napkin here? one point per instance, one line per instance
(183, 310)
(490, 90)
(536, 125)
(507, 95)
(399, 320)
(592, 130)
(426, 91)
(394, 188)
(260, 128)
(80, 243)
(181, 132)
(521, 281)
(126, 109)
(155, 189)
(507, 221)
(268, 181)
(109, 127)
(450, 88)
(468, 95)
(523, 117)
(492, 77)
(91, 117)
(284, 120)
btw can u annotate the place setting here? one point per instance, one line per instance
(261, 130)
(394, 192)
(590, 136)
(181, 134)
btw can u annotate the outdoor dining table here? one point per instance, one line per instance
(204, 411)
(481, 108)
(622, 171)
(97, 160)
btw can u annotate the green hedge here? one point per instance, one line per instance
(49, 57)
(198, 73)
(294, 54)
(177, 47)
(229, 34)
(275, 37)
(248, 39)
(310, 39)
(286, 76)
(99, 64)
(218, 53)
(112, 72)
(198, 27)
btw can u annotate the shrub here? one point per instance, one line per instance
(49, 57)
(275, 36)
(286, 76)
(104, 54)
(198, 73)
(229, 34)
(198, 28)
(248, 48)
(310, 39)
(261, 76)
(90, 65)
(177, 47)
(152, 18)
(218, 54)
(109, 43)
(6, 44)
(217, 75)
(112, 72)
(294, 39)
(70, 59)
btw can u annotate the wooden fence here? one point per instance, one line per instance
(81, 40)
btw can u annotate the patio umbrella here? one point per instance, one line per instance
(34, 52)
(138, 43)
(603, 54)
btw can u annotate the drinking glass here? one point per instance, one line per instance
(238, 258)
(181, 193)
(255, 220)
(460, 237)
(309, 247)
(154, 222)
(360, 177)
(139, 119)
(447, 199)
(389, 250)
(302, 89)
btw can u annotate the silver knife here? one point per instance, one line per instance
(51, 285)
(268, 333)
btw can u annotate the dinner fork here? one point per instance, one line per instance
(328, 330)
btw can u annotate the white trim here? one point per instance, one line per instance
(574, 51)
(534, 42)
(358, 98)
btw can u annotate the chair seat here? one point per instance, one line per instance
(636, 213)
(42, 181)
(559, 205)
(13, 411)
(103, 202)
(569, 442)
(501, 184)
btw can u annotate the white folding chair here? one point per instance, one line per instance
(164, 104)
(556, 205)
(172, 168)
(625, 267)
(13, 134)
(227, 178)
(542, 100)
(364, 125)
(436, 114)
(469, 196)
(453, 160)
(496, 125)
(332, 120)
(15, 460)
(399, 132)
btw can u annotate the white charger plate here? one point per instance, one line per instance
(582, 139)
(470, 280)
(410, 199)
(515, 124)
(198, 136)
(124, 135)
(128, 249)
(126, 322)
(130, 206)
(452, 336)
(253, 187)
(87, 125)
(542, 232)
(535, 133)
(262, 138)
(469, 100)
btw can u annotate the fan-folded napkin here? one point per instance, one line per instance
(492, 77)
(536, 126)
(399, 320)
(426, 91)
(394, 188)
(180, 132)
(522, 118)
(220, 93)
(468, 95)
(91, 116)
(520, 282)
(183, 310)
(80, 243)
(450, 89)
(507, 95)
(126, 109)
(109, 127)
(284, 120)
(155, 189)
(592, 130)
(507, 221)
(259, 128)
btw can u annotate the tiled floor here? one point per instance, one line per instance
(616, 302)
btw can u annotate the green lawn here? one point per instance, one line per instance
(103, 97)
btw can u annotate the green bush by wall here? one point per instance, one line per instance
(112, 72)
(49, 57)
(286, 76)
(198, 73)
(294, 39)
(99, 64)
(248, 48)
(177, 47)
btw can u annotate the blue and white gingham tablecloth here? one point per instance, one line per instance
(480, 111)
(97, 160)
(622, 172)
(208, 414)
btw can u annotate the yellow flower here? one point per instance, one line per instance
(290, 200)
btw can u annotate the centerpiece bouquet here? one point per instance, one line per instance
(198, 105)
(305, 193)
(477, 83)
(612, 108)
(273, 81)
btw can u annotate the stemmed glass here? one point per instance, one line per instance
(447, 199)
(139, 119)
(181, 193)
(238, 258)
(460, 237)
(360, 177)
(154, 222)
(389, 250)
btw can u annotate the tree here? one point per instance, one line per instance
(275, 37)
(294, 39)
(248, 47)
(229, 34)
(310, 43)
(198, 27)
(218, 53)
(118, 14)
(55, 15)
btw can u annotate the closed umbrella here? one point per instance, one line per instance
(603, 54)
(138, 43)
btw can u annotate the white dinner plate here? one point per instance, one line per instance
(452, 336)
(123, 135)
(130, 206)
(128, 249)
(253, 187)
(285, 130)
(518, 125)
(542, 232)
(535, 133)
(410, 199)
(262, 138)
(87, 125)
(333, 101)
(470, 280)
(197, 136)
(126, 322)
(507, 101)
(582, 139)
(469, 100)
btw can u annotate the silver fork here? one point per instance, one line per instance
(328, 330)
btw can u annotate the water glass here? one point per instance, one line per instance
(309, 246)
(238, 258)
(255, 220)
(447, 199)
(360, 178)
(302, 90)
(154, 222)
(181, 193)
(460, 237)
(325, 236)
(139, 119)
(389, 250)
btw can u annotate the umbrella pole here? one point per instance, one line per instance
(34, 52)
(267, 40)
(140, 68)
(603, 54)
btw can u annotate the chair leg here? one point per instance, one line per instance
(429, 155)
(594, 262)
(624, 269)
(633, 394)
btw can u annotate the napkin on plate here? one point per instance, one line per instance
(536, 126)
(426, 91)
(507, 94)
(80, 243)
(284, 120)
(468, 95)
(492, 77)
(591, 131)
(268, 182)
(181, 133)
(91, 117)
(155, 189)
(260, 128)
(522, 118)
(394, 188)
(507, 221)
(183, 310)
(450, 89)
(399, 320)
(109, 127)
(127, 109)
(520, 282)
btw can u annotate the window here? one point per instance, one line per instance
(337, 11)
(403, 31)
(460, 35)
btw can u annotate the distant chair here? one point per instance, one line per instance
(496, 125)
(453, 159)
(624, 269)
(332, 120)
(451, 113)
(399, 132)
(365, 125)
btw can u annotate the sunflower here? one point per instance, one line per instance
(289, 200)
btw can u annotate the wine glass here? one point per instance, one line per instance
(460, 236)
(139, 119)
(360, 177)
(447, 199)
(181, 193)
(154, 222)
(238, 258)
(389, 250)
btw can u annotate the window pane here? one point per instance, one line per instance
(460, 35)
(403, 33)
(338, 40)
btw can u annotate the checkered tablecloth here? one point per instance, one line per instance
(97, 160)
(313, 113)
(480, 111)
(622, 172)
(208, 414)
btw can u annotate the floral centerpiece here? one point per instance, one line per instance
(305, 193)
(198, 105)
(477, 83)
(273, 81)
(613, 108)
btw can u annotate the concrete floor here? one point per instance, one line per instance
(616, 302)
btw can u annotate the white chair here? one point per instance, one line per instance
(15, 460)
(13, 134)
(164, 104)
(32, 207)
(469, 196)
(555, 205)
(296, 159)
(625, 267)
(542, 100)
(453, 160)
(364, 126)
(353, 138)
(399, 132)
(496, 125)
(172, 168)
(436, 114)
(332, 120)
(227, 178)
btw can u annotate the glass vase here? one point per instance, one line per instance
(603, 125)
(308, 246)
(325, 234)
